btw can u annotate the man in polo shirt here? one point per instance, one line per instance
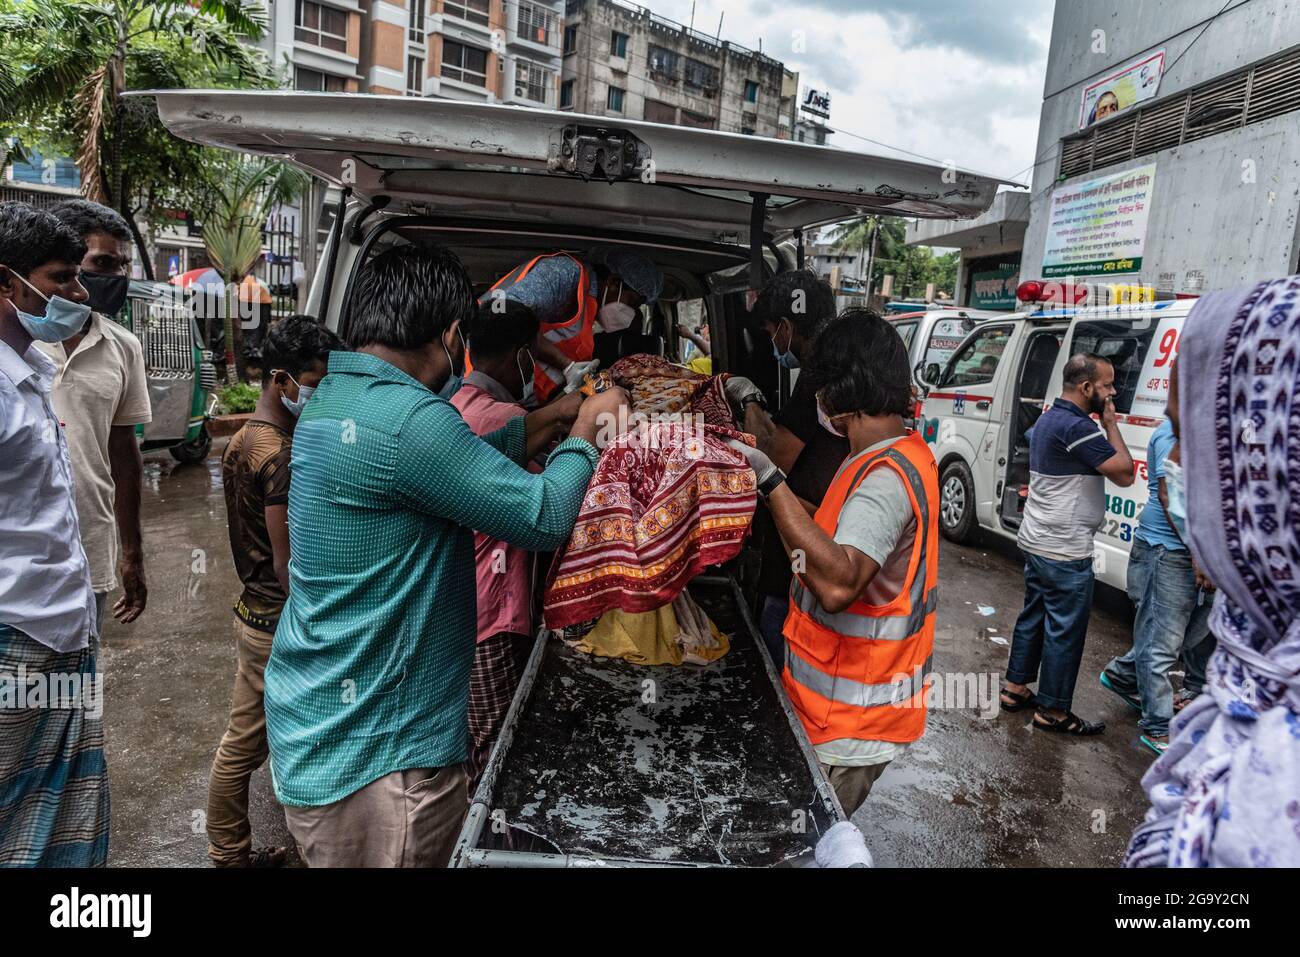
(367, 687)
(1070, 459)
(101, 394)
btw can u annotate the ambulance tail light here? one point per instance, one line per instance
(1067, 293)
(1061, 293)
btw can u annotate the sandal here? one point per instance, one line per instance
(1020, 701)
(1128, 699)
(1159, 747)
(1070, 724)
(1183, 698)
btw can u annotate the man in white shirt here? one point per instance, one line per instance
(101, 395)
(53, 780)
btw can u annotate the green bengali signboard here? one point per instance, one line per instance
(995, 288)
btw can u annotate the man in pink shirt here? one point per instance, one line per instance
(493, 393)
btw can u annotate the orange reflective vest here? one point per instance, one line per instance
(860, 673)
(572, 335)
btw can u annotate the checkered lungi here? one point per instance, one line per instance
(53, 779)
(498, 667)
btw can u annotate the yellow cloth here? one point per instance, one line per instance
(649, 638)
(701, 364)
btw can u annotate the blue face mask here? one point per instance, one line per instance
(304, 393)
(63, 318)
(1177, 509)
(787, 359)
(456, 379)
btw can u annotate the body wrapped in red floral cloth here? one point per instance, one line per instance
(668, 499)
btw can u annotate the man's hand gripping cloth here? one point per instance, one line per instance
(667, 500)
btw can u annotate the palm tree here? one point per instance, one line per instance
(856, 235)
(233, 199)
(883, 236)
(77, 57)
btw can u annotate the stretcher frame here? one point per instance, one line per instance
(467, 853)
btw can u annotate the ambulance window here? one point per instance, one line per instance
(1125, 344)
(945, 336)
(977, 362)
(908, 331)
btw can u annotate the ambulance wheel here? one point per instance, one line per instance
(196, 450)
(957, 502)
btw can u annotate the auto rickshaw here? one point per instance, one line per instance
(182, 377)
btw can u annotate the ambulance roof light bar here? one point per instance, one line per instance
(1034, 294)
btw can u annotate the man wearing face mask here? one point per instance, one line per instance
(792, 307)
(52, 772)
(1171, 596)
(255, 479)
(1070, 459)
(496, 391)
(570, 297)
(367, 687)
(859, 631)
(101, 394)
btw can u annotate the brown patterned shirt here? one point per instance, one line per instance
(255, 475)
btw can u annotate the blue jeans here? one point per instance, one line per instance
(771, 618)
(1162, 585)
(1048, 642)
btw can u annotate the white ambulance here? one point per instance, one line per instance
(932, 335)
(980, 404)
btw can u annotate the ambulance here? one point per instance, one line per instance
(931, 335)
(982, 401)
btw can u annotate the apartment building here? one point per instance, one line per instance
(493, 51)
(624, 60)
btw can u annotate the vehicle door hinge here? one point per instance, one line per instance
(600, 152)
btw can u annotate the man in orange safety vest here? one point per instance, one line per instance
(859, 630)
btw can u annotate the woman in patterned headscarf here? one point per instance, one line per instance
(1227, 792)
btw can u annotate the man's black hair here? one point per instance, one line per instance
(1081, 368)
(500, 327)
(859, 364)
(295, 344)
(31, 238)
(797, 295)
(84, 217)
(408, 296)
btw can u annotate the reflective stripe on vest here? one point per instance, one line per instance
(854, 693)
(887, 628)
(884, 627)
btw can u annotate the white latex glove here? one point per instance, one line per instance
(738, 389)
(764, 468)
(575, 371)
(843, 846)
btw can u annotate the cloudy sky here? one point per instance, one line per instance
(958, 80)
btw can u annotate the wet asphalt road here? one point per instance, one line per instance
(975, 791)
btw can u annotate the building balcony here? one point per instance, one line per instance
(534, 27)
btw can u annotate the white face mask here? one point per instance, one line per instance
(1177, 509)
(616, 316)
(825, 420)
(526, 376)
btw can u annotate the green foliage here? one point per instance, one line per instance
(233, 196)
(65, 65)
(240, 397)
(912, 267)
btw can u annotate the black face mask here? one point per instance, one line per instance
(107, 291)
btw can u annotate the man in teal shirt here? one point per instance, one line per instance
(367, 684)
